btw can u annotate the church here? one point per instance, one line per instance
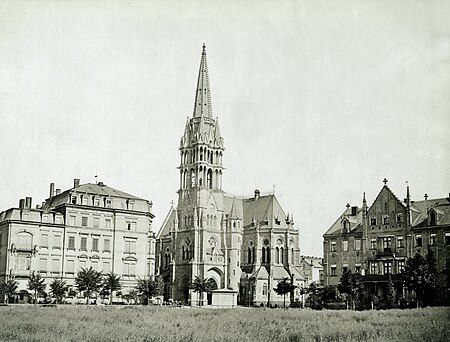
(243, 245)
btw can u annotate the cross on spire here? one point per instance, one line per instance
(172, 203)
(385, 181)
(426, 196)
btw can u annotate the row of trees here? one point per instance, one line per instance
(88, 281)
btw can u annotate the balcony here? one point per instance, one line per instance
(386, 252)
(21, 273)
(17, 247)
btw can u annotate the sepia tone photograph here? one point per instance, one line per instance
(225, 170)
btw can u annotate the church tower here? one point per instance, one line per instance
(197, 239)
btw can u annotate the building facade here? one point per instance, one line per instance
(243, 244)
(89, 225)
(376, 241)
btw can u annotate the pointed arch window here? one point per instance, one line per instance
(277, 255)
(209, 179)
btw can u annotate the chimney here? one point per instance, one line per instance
(52, 189)
(257, 193)
(21, 203)
(28, 202)
(58, 191)
(76, 182)
(354, 211)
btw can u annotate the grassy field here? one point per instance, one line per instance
(133, 323)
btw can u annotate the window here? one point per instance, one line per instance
(83, 245)
(130, 246)
(96, 222)
(55, 265)
(44, 240)
(106, 245)
(71, 242)
(373, 220)
(74, 199)
(97, 202)
(357, 244)
(373, 267)
(130, 206)
(73, 220)
(345, 245)
(108, 203)
(70, 266)
(373, 243)
(57, 242)
(357, 268)
(129, 269)
(387, 267)
(95, 244)
(23, 263)
(133, 226)
(344, 269)
(400, 242)
(333, 270)
(399, 217)
(43, 265)
(333, 246)
(94, 264)
(447, 238)
(83, 263)
(418, 240)
(264, 289)
(84, 200)
(84, 221)
(24, 240)
(128, 225)
(401, 266)
(107, 223)
(385, 219)
(386, 243)
(433, 239)
(106, 266)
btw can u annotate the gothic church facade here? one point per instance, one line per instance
(243, 245)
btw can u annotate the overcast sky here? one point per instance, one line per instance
(321, 99)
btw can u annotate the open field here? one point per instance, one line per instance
(134, 323)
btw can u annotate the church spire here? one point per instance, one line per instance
(202, 105)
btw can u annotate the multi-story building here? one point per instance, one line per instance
(312, 269)
(243, 244)
(376, 241)
(89, 225)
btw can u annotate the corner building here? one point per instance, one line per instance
(377, 241)
(243, 244)
(89, 225)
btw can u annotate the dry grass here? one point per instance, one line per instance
(131, 323)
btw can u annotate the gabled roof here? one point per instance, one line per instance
(278, 272)
(441, 206)
(260, 273)
(384, 189)
(354, 221)
(167, 225)
(264, 209)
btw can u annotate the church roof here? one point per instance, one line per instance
(167, 225)
(266, 210)
(260, 273)
(202, 105)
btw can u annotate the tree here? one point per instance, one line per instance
(390, 293)
(315, 294)
(58, 288)
(111, 283)
(8, 288)
(420, 275)
(148, 288)
(200, 286)
(352, 286)
(284, 286)
(89, 281)
(36, 284)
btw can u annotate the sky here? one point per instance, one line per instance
(318, 101)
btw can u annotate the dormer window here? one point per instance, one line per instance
(385, 219)
(399, 217)
(432, 218)
(373, 220)
(345, 227)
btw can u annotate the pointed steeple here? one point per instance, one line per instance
(202, 105)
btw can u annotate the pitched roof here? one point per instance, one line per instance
(260, 273)
(354, 221)
(167, 225)
(266, 209)
(421, 209)
(102, 189)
